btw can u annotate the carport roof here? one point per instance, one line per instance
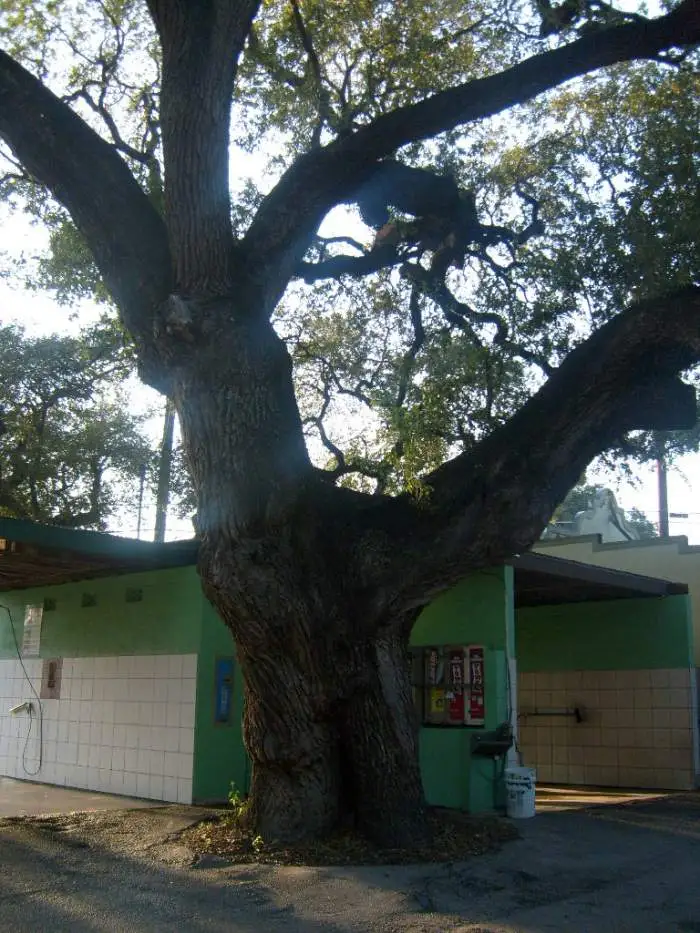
(541, 580)
(43, 555)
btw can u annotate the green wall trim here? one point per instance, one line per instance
(98, 543)
(623, 634)
(220, 758)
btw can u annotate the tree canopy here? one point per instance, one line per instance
(608, 169)
(70, 451)
(474, 224)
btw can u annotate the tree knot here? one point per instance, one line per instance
(175, 319)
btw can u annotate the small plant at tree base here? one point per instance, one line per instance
(257, 844)
(237, 802)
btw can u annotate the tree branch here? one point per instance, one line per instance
(408, 362)
(331, 175)
(493, 501)
(357, 266)
(85, 174)
(98, 107)
(322, 95)
(324, 241)
(414, 349)
(454, 310)
(459, 314)
(331, 447)
(486, 97)
(266, 59)
(202, 41)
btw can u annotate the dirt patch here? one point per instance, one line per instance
(212, 837)
(456, 836)
(151, 833)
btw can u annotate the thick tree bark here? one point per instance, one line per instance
(328, 722)
(379, 733)
(320, 585)
(201, 43)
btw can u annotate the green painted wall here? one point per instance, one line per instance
(624, 634)
(172, 618)
(477, 611)
(166, 621)
(219, 755)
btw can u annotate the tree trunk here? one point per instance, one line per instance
(329, 722)
(380, 737)
(285, 559)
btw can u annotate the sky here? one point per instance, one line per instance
(40, 314)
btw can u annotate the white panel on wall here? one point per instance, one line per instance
(123, 725)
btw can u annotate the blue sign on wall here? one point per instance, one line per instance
(224, 690)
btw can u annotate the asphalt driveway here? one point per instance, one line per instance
(627, 868)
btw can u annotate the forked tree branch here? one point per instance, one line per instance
(494, 500)
(202, 41)
(383, 257)
(322, 94)
(290, 214)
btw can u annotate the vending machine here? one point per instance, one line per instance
(455, 685)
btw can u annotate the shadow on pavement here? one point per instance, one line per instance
(60, 884)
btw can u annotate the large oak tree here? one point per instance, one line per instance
(320, 584)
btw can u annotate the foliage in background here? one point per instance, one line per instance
(70, 452)
(614, 163)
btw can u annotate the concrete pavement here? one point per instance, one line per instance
(26, 798)
(631, 868)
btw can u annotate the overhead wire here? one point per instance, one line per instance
(38, 703)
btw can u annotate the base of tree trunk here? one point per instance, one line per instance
(453, 836)
(357, 766)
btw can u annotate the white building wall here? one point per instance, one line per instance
(123, 725)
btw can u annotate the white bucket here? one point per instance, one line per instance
(520, 792)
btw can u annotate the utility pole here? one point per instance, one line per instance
(142, 483)
(662, 480)
(164, 466)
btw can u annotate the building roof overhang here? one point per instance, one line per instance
(541, 580)
(45, 555)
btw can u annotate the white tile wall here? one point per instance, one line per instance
(123, 725)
